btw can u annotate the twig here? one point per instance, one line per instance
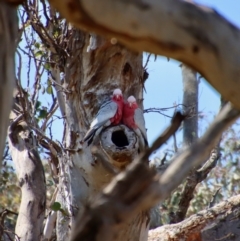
(148, 58)
(195, 176)
(175, 143)
(51, 111)
(3, 214)
(199, 151)
(51, 142)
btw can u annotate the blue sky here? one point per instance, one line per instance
(164, 85)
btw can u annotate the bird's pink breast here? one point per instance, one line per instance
(128, 117)
(118, 116)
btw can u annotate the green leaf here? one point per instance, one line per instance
(49, 90)
(38, 53)
(42, 114)
(38, 104)
(47, 66)
(49, 82)
(37, 45)
(56, 206)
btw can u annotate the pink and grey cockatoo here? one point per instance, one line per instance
(133, 118)
(110, 113)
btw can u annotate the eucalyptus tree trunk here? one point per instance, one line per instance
(29, 169)
(8, 37)
(93, 69)
(190, 105)
(84, 70)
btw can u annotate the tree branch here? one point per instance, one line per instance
(207, 225)
(193, 34)
(198, 152)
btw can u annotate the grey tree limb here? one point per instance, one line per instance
(211, 224)
(29, 170)
(193, 34)
(190, 135)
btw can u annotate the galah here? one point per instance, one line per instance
(133, 118)
(110, 113)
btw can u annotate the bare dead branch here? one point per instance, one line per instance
(207, 225)
(51, 142)
(148, 58)
(51, 112)
(195, 176)
(199, 151)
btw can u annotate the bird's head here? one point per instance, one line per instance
(117, 94)
(132, 102)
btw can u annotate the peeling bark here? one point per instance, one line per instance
(218, 223)
(193, 34)
(8, 36)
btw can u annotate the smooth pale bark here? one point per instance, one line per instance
(8, 37)
(29, 170)
(193, 34)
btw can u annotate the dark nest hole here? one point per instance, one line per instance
(119, 138)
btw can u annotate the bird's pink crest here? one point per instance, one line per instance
(117, 92)
(131, 99)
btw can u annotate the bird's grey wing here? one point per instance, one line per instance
(139, 120)
(105, 113)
